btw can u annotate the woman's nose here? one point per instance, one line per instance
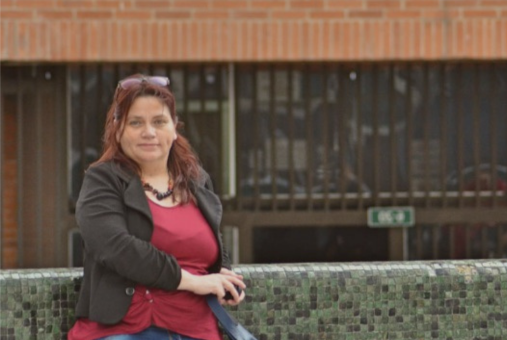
(149, 131)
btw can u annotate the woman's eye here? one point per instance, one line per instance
(134, 123)
(160, 122)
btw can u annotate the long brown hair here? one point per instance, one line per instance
(182, 163)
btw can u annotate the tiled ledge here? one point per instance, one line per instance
(359, 301)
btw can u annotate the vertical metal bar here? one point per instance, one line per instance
(342, 128)
(82, 118)
(409, 109)
(484, 242)
(376, 157)
(220, 98)
(452, 243)
(239, 174)
(468, 242)
(392, 134)
(291, 137)
(39, 190)
(359, 132)
(499, 241)
(98, 107)
(116, 74)
(443, 135)
(61, 99)
(231, 134)
(325, 137)
(460, 127)
(309, 138)
(493, 96)
(434, 237)
(477, 134)
(2, 189)
(425, 124)
(256, 117)
(272, 112)
(19, 155)
(419, 241)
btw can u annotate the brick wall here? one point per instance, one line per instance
(252, 30)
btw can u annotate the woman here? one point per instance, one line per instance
(150, 224)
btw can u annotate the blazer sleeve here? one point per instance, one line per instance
(101, 216)
(226, 261)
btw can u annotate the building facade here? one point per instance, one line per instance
(308, 114)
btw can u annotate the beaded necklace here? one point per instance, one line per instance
(159, 195)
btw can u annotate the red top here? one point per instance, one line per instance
(183, 232)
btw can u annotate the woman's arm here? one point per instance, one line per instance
(217, 284)
(101, 216)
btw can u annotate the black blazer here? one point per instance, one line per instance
(115, 222)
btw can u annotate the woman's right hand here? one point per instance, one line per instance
(217, 284)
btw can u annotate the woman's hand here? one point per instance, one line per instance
(217, 284)
(233, 301)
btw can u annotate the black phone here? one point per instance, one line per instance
(228, 295)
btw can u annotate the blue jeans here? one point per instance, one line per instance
(150, 333)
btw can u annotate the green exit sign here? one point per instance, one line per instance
(391, 217)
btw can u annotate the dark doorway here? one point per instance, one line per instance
(311, 244)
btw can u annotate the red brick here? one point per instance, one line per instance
(148, 4)
(135, 15)
(267, 4)
(35, 4)
(327, 15)
(403, 14)
(479, 14)
(173, 14)
(94, 15)
(13, 14)
(216, 15)
(7, 4)
(250, 14)
(461, 3)
(441, 14)
(306, 4)
(289, 15)
(55, 14)
(383, 4)
(345, 4)
(191, 4)
(229, 4)
(365, 14)
(496, 3)
(410, 4)
(114, 4)
(85, 4)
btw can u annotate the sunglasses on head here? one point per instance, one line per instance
(155, 80)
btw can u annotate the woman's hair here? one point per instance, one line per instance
(182, 163)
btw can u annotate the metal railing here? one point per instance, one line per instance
(345, 137)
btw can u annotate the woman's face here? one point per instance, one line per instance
(149, 132)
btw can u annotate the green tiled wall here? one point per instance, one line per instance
(359, 301)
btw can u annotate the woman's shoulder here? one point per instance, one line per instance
(111, 167)
(204, 179)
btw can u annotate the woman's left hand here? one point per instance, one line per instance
(241, 297)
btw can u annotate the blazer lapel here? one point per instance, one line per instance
(134, 193)
(135, 199)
